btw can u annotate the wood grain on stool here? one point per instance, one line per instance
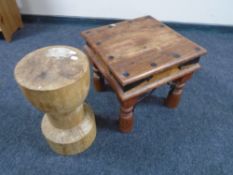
(56, 80)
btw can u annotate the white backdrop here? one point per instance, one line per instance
(190, 11)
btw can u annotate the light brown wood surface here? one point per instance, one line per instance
(51, 68)
(56, 80)
(136, 49)
(73, 140)
(10, 18)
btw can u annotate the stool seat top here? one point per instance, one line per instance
(135, 49)
(51, 68)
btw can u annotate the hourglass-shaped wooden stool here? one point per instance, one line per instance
(56, 80)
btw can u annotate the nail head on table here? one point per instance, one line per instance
(153, 64)
(125, 74)
(98, 43)
(175, 55)
(110, 57)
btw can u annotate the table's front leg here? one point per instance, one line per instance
(126, 114)
(174, 95)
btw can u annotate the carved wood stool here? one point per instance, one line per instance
(137, 56)
(56, 80)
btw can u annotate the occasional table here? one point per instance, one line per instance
(135, 57)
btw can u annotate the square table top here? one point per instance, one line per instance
(135, 49)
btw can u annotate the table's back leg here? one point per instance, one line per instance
(98, 80)
(174, 95)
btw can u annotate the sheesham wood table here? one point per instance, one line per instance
(135, 57)
(56, 80)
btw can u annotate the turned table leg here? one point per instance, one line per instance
(174, 95)
(126, 115)
(98, 79)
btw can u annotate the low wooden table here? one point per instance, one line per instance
(137, 56)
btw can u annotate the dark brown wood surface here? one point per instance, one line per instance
(145, 86)
(135, 49)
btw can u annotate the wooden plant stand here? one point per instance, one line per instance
(56, 80)
(137, 56)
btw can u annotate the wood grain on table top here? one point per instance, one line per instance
(136, 49)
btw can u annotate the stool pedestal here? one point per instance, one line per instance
(70, 140)
(56, 80)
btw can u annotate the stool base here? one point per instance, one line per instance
(74, 140)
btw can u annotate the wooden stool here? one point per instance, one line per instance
(137, 56)
(56, 81)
